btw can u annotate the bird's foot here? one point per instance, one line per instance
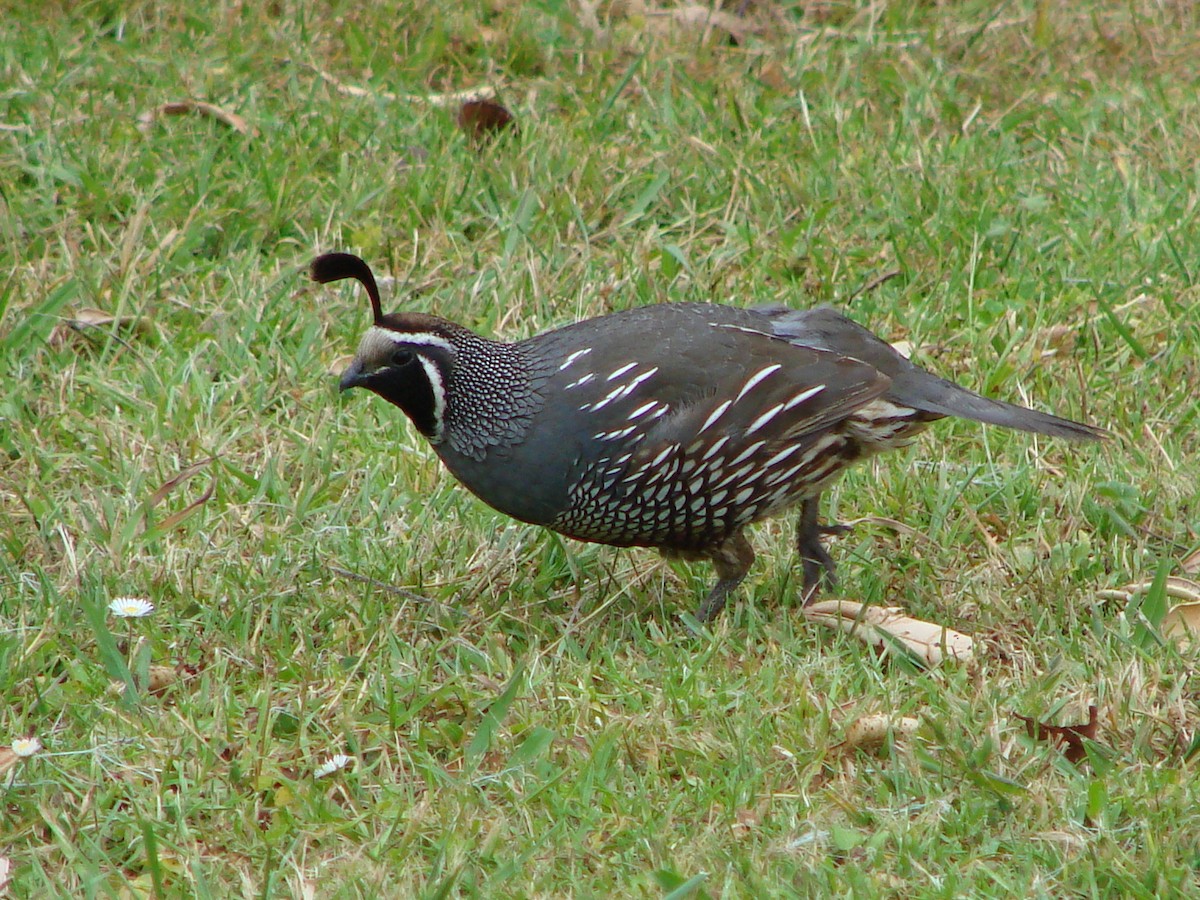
(818, 566)
(715, 601)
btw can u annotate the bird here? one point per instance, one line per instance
(672, 426)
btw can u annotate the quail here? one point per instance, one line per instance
(673, 426)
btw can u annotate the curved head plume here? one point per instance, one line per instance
(335, 266)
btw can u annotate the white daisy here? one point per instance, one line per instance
(331, 765)
(26, 746)
(130, 607)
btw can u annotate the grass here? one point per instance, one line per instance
(530, 719)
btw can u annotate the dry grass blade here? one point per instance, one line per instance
(175, 519)
(1179, 588)
(695, 16)
(893, 525)
(448, 99)
(90, 318)
(170, 485)
(879, 626)
(177, 479)
(200, 108)
(872, 283)
(392, 589)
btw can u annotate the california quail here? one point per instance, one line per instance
(671, 426)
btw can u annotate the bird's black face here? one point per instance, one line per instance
(408, 369)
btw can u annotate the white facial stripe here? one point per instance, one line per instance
(757, 378)
(579, 382)
(439, 397)
(804, 395)
(424, 338)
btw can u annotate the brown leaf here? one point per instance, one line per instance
(879, 625)
(1068, 738)
(1182, 621)
(200, 108)
(158, 679)
(1191, 563)
(8, 759)
(483, 119)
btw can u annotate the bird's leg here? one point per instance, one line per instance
(818, 564)
(732, 560)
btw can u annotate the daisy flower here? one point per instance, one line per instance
(26, 746)
(331, 765)
(130, 607)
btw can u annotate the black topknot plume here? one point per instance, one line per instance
(335, 266)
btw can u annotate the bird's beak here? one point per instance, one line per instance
(352, 377)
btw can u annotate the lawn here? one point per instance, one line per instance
(357, 680)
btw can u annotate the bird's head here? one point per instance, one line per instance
(405, 358)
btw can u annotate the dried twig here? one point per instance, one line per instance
(453, 98)
(881, 278)
(392, 589)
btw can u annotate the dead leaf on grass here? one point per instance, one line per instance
(484, 119)
(8, 759)
(89, 318)
(158, 679)
(881, 626)
(698, 17)
(1068, 738)
(872, 730)
(1191, 563)
(1182, 621)
(5, 870)
(198, 107)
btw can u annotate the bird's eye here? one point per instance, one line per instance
(402, 357)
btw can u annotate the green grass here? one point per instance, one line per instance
(540, 724)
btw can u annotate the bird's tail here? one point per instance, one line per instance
(912, 386)
(931, 394)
